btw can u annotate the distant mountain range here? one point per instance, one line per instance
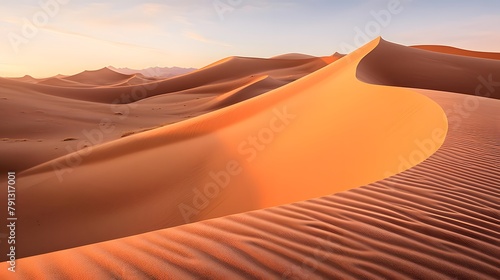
(155, 72)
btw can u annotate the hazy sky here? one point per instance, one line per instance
(68, 36)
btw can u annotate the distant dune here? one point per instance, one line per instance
(72, 106)
(380, 164)
(26, 79)
(62, 82)
(101, 77)
(293, 56)
(457, 51)
(155, 72)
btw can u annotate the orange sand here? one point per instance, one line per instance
(211, 165)
(277, 131)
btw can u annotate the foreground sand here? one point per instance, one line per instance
(438, 219)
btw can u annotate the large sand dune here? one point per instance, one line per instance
(255, 154)
(428, 209)
(437, 220)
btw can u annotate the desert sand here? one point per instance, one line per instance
(289, 167)
(62, 108)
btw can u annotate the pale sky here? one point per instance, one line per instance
(69, 36)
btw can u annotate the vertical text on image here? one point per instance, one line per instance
(11, 220)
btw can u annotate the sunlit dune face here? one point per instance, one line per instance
(342, 133)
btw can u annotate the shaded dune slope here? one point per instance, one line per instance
(401, 66)
(152, 180)
(255, 87)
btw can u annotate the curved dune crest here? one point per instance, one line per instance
(255, 87)
(255, 154)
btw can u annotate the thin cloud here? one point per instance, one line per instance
(201, 38)
(153, 9)
(116, 43)
(11, 20)
(262, 5)
(182, 20)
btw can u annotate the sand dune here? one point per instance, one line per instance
(409, 67)
(293, 56)
(457, 51)
(255, 87)
(101, 77)
(106, 79)
(225, 70)
(437, 220)
(68, 109)
(61, 82)
(136, 79)
(427, 210)
(155, 72)
(212, 146)
(27, 79)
